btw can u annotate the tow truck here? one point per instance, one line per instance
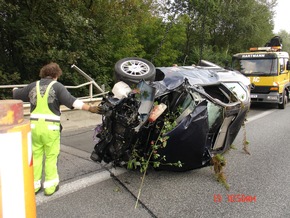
(268, 69)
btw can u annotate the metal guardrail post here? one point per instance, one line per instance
(87, 77)
(91, 91)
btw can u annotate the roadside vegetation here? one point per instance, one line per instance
(94, 35)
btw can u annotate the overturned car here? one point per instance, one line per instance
(179, 114)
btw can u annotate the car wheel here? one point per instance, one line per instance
(284, 101)
(133, 70)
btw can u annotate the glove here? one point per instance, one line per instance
(96, 109)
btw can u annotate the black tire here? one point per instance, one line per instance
(133, 70)
(284, 100)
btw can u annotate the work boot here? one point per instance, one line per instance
(51, 190)
(37, 190)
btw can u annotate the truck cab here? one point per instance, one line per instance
(268, 70)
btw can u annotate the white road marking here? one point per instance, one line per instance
(260, 115)
(79, 184)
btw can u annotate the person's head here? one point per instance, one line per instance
(50, 70)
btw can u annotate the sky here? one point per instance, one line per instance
(281, 19)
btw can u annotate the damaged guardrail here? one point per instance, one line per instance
(91, 84)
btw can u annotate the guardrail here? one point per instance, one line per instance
(91, 83)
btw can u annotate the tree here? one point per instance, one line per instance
(215, 29)
(91, 34)
(94, 35)
(285, 40)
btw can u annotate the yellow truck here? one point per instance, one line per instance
(268, 70)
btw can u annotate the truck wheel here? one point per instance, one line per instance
(284, 101)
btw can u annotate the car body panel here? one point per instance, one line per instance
(209, 104)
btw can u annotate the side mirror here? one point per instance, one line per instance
(288, 65)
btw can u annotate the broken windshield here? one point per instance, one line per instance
(256, 66)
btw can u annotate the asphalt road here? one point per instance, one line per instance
(259, 182)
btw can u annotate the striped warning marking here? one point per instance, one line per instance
(16, 172)
(12, 175)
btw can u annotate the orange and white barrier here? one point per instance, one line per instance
(17, 198)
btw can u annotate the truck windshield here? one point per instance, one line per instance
(256, 66)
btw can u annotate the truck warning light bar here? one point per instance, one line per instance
(273, 48)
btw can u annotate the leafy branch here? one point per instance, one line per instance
(219, 162)
(245, 141)
(153, 157)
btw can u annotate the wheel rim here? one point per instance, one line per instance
(135, 68)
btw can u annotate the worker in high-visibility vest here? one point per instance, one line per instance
(45, 97)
